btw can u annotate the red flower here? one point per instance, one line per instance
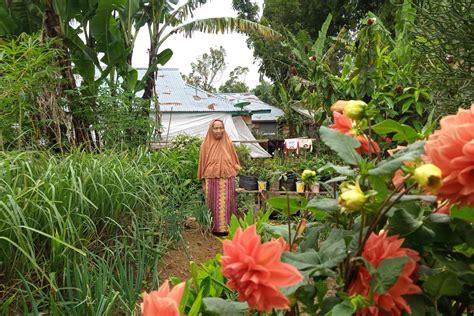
(344, 125)
(255, 270)
(341, 123)
(364, 142)
(451, 149)
(376, 249)
(163, 302)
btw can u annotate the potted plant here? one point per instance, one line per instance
(288, 181)
(274, 179)
(263, 177)
(247, 178)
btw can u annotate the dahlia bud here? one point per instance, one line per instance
(428, 176)
(355, 109)
(352, 198)
(308, 176)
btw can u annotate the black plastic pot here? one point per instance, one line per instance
(248, 183)
(290, 183)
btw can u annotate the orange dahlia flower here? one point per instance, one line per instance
(163, 302)
(376, 249)
(255, 270)
(451, 149)
(344, 125)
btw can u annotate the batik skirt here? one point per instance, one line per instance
(221, 199)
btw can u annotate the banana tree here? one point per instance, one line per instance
(100, 38)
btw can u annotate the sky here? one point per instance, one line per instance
(187, 50)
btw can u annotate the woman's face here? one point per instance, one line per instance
(218, 129)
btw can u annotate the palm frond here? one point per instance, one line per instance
(226, 25)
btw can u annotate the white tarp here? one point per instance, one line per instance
(256, 151)
(197, 124)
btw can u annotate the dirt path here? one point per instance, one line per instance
(200, 247)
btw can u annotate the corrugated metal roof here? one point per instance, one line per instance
(177, 96)
(255, 104)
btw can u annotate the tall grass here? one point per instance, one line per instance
(82, 234)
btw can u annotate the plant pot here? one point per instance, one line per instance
(315, 187)
(300, 186)
(275, 186)
(290, 183)
(262, 186)
(248, 183)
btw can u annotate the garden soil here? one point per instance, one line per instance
(197, 245)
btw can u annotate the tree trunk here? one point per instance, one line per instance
(150, 90)
(52, 29)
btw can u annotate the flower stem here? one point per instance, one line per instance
(382, 212)
(289, 218)
(362, 224)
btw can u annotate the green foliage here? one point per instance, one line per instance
(444, 283)
(342, 144)
(235, 83)
(206, 68)
(465, 213)
(319, 263)
(411, 152)
(249, 219)
(217, 306)
(31, 114)
(386, 274)
(89, 228)
(403, 132)
(186, 142)
(443, 37)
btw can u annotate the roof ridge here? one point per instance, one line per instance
(212, 93)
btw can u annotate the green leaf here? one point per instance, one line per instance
(311, 237)
(318, 46)
(420, 305)
(342, 309)
(465, 213)
(322, 262)
(131, 80)
(164, 56)
(7, 24)
(281, 203)
(196, 307)
(342, 170)
(387, 167)
(404, 223)
(444, 283)
(403, 132)
(325, 204)
(387, 274)
(426, 198)
(280, 230)
(342, 144)
(217, 306)
(317, 214)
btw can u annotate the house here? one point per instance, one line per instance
(264, 123)
(186, 109)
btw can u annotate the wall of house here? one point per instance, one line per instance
(266, 128)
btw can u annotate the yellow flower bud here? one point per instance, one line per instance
(352, 198)
(429, 177)
(308, 176)
(354, 109)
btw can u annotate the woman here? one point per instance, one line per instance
(218, 166)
